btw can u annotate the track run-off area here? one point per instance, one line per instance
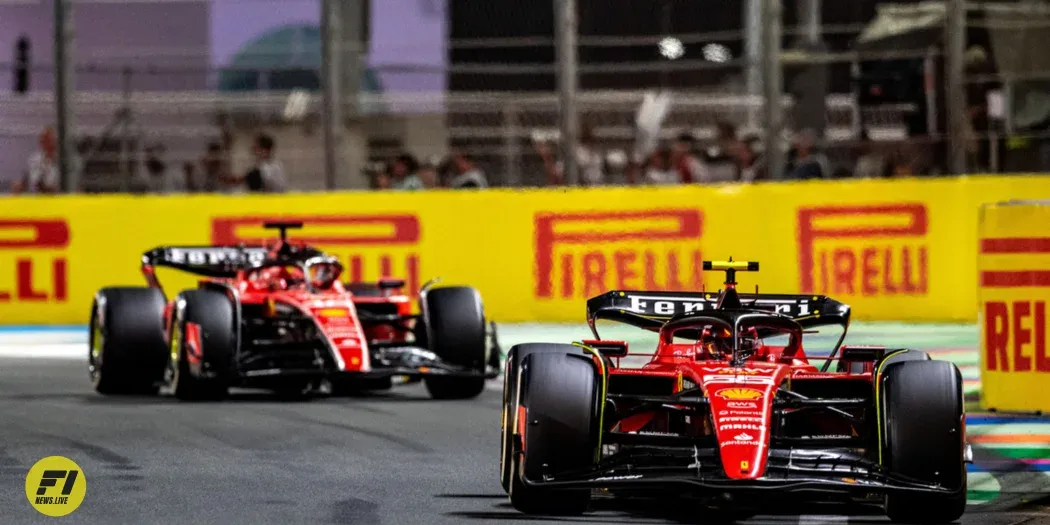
(392, 458)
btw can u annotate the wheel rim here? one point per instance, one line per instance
(95, 347)
(176, 344)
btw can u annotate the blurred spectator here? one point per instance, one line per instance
(382, 181)
(871, 164)
(721, 161)
(268, 174)
(750, 165)
(378, 174)
(214, 168)
(159, 178)
(684, 160)
(658, 168)
(804, 161)
(189, 175)
(910, 160)
(978, 123)
(590, 161)
(429, 174)
(42, 175)
(465, 172)
(404, 173)
(901, 166)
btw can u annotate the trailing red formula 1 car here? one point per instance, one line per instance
(731, 412)
(278, 318)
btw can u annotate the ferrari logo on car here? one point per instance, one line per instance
(739, 393)
(745, 465)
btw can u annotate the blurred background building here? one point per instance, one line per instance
(865, 79)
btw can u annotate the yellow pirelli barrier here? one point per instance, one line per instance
(893, 249)
(1013, 290)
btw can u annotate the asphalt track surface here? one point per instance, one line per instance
(399, 458)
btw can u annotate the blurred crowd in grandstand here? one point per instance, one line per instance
(731, 157)
(685, 160)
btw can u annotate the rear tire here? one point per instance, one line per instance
(126, 348)
(454, 329)
(213, 313)
(560, 393)
(923, 438)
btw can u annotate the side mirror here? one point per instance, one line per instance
(608, 348)
(389, 283)
(863, 353)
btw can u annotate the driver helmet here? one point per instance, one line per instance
(324, 274)
(717, 342)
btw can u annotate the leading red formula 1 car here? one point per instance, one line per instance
(730, 411)
(278, 318)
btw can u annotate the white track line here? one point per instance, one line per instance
(822, 520)
(44, 351)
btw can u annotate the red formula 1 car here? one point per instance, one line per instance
(278, 318)
(730, 411)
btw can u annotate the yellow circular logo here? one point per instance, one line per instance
(56, 486)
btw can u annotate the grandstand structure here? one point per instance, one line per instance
(498, 94)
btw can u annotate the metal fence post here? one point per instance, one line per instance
(355, 36)
(127, 170)
(753, 54)
(565, 25)
(63, 95)
(753, 45)
(955, 43)
(332, 91)
(511, 146)
(772, 75)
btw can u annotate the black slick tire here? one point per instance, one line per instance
(454, 329)
(213, 312)
(515, 357)
(126, 346)
(923, 438)
(560, 399)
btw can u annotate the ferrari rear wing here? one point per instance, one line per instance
(650, 310)
(207, 261)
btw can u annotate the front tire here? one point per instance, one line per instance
(515, 357)
(205, 372)
(560, 396)
(455, 330)
(126, 347)
(923, 438)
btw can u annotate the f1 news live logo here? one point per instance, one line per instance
(1015, 330)
(56, 486)
(583, 254)
(370, 246)
(33, 261)
(867, 250)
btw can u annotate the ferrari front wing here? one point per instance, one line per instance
(399, 359)
(788, 471)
